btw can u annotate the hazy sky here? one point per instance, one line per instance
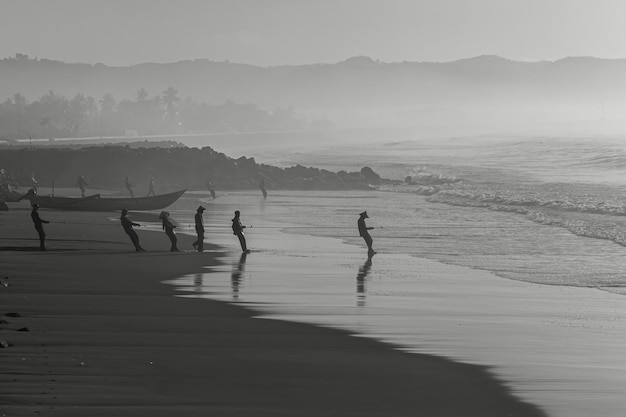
(274, 32)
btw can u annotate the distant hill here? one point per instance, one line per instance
(358, 91)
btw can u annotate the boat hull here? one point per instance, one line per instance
(97, 203)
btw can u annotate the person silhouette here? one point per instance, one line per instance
(210, 187)
(199, 243)
(262, 187)
(33, 182)
(129, 187)
(127, 225)
(363, 232)
(168, 226)
(80, 183)
(238, 231)
(38, 221)
(151, 187)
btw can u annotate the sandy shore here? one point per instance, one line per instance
(105, 337)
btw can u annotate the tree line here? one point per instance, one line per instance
(56, 116)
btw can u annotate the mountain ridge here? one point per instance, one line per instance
(354, 91)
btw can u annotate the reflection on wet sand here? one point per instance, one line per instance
(197, 282)
(361, 281)
(237, 275)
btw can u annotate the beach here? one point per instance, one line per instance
(559, 347)
(382, 209)
(105, 336)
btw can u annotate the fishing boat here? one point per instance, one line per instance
(96, 202)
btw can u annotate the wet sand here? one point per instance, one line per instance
(106, 337)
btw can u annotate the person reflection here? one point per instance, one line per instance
(198, 281)
(263, 187)
(361, 281)
(237, 275)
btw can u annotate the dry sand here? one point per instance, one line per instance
(106, 338)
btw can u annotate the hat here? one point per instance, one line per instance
(200, 208)
(163, 214)
(364, 214)
(35, 205)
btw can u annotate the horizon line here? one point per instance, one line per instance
(20, 56)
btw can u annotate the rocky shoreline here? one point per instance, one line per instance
(105, 167)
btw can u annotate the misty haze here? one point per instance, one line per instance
(263, 208)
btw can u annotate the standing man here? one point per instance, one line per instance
(363, 232)
(238, 231)
(199, 244)
(33, 182)
(129, 187)
(151, 187)
(38, 221)
(127, 225)
(80, 183)
(210, 187)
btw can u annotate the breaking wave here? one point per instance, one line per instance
(588, 210)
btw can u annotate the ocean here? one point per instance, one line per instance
(503, 251)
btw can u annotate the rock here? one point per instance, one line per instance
(369, 174)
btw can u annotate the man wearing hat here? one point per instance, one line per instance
(199, 244)
(38, 221)
(238, 231)
(363, 232)
(127, 225)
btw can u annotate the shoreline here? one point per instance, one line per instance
(108, 336)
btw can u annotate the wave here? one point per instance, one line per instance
(497, 189)
(585, 210)
(500, 200)
(428, 178)
(423, 183)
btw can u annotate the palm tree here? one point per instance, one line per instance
(44, 123)
(77, 113)
(92, 107)
(20, 103)
(142, 95)
(170, 99)
(107, 103)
